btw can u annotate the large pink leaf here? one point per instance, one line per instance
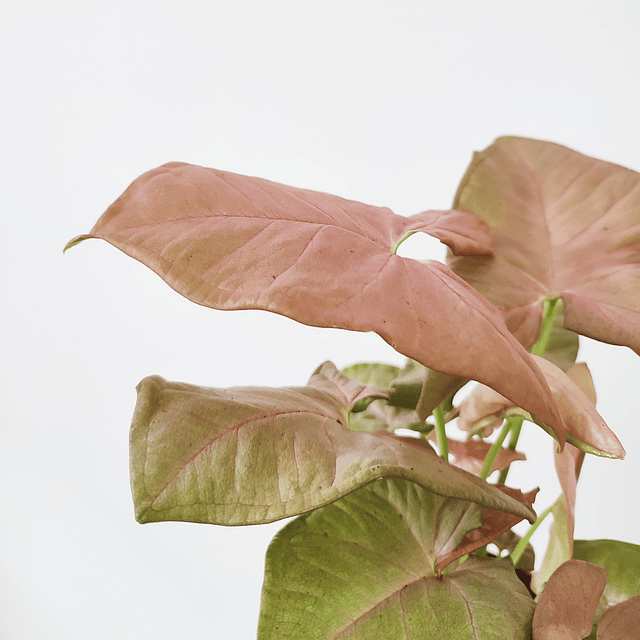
(566, 226)
(249, 455)
(232, 242)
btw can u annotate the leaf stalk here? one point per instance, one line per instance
(441, 434)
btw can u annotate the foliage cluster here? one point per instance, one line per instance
(397, 535)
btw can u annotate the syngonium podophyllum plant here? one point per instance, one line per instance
(399, 536)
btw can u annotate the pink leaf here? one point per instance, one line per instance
(566, 225)
(232, 242)
(584, 424)
(470, 455)
(621, 622)
(568, 603)
(495, 523)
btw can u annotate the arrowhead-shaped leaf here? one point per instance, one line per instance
(566, 226)
(568, 603)
(252, 455)
(364, 567)
(232, 242)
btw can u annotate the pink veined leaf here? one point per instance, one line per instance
(250, 455)
(568, 603)
(228, 241)
(621, 622)
(585, 426)
(495, 523)
(470, 455)
(566, 225)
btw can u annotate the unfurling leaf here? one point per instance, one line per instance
(364, 567)
(566, 226)
(568, 603)
(233, 242)
(249, 455)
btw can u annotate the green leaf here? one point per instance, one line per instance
(376, 373)
(408, 385)
(228, 241)
(396, 412)
(249, 455)
(565, 225)
(437, 388)
(363, 568)
(621, 561)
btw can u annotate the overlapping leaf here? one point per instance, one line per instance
(585, 426)
(566, 226)
(568, 603)
(620, 560)
(495, 524)
(252, 455)
(232, 242)
(364, 567)
(621, 622)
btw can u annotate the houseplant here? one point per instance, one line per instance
(391, 538)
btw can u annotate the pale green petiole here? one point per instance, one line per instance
(549, 311)
(550, 306)
(524, 541)
(494, 451)
(441, 434)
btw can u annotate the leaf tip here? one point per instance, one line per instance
(74, 241)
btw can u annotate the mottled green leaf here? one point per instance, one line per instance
(364, 568)
(249, 455)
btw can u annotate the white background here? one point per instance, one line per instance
(381, 102)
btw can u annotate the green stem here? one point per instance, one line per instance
(515, 426)
(524, 541)
(441, 434)
(550, 306)
(549, 312)
(485, 472)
